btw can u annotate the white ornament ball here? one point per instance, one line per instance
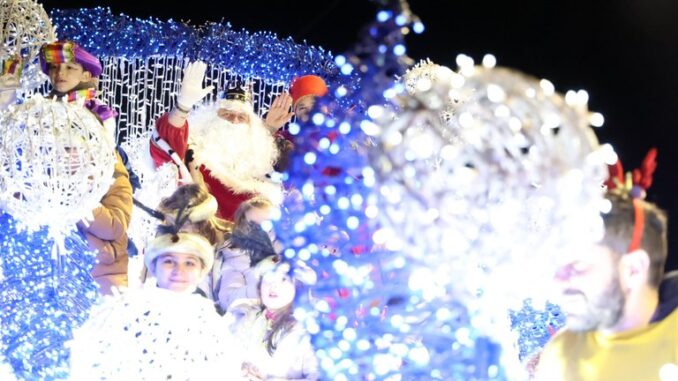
(56, 163)
(154, 334)
(25, 27)
(513, 176)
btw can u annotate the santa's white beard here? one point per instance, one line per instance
(234, 151)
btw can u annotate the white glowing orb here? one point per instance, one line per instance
(56, 163)
(668, 372)
(498, 188)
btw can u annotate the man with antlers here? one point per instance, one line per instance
(620, 307)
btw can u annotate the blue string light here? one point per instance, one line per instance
(367, 322)
(253, 54)
(535, 327)
(41, 299)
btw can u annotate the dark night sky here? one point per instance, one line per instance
(623, 52)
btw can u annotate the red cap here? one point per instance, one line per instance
(307, 85)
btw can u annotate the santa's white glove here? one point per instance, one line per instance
(191, 86)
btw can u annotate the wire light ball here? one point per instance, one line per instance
(484, 175)
(25, 28)
(56, 163)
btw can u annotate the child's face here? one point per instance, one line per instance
(178, 272)
(304, 107)
(66, 76)
(277, 290)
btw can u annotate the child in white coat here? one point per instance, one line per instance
(275, 345)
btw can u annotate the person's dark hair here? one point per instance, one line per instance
(215, 229)
(619, 225)
(285, 148)
(280, 326)
(252, 239)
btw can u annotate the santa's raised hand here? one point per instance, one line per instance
(192, 90)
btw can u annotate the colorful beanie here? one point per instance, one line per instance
(68, 51)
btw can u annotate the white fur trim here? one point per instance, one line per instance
(242, 167)
(188, 243)
(205, 210)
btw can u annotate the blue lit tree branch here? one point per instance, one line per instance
(369, 320)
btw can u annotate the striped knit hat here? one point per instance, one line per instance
(68, 51)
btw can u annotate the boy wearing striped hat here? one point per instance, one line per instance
(73, 73)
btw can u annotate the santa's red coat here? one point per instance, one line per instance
(177, 138)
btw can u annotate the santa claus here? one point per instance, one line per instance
(229, 148)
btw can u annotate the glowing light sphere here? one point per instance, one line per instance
(152, 333)
(25, 27)
(488, 178)
(56, 163)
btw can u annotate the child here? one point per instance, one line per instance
(179, 262)
(233, 276)
(275, 345)
(73, 73)
(159, 333)
(257, 210)
(191, 209)
(260, 211)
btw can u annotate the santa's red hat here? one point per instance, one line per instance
(307, 85)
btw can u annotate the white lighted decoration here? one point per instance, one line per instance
(484, 176)
(24, 28)
(56, 163)
(156, 184)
